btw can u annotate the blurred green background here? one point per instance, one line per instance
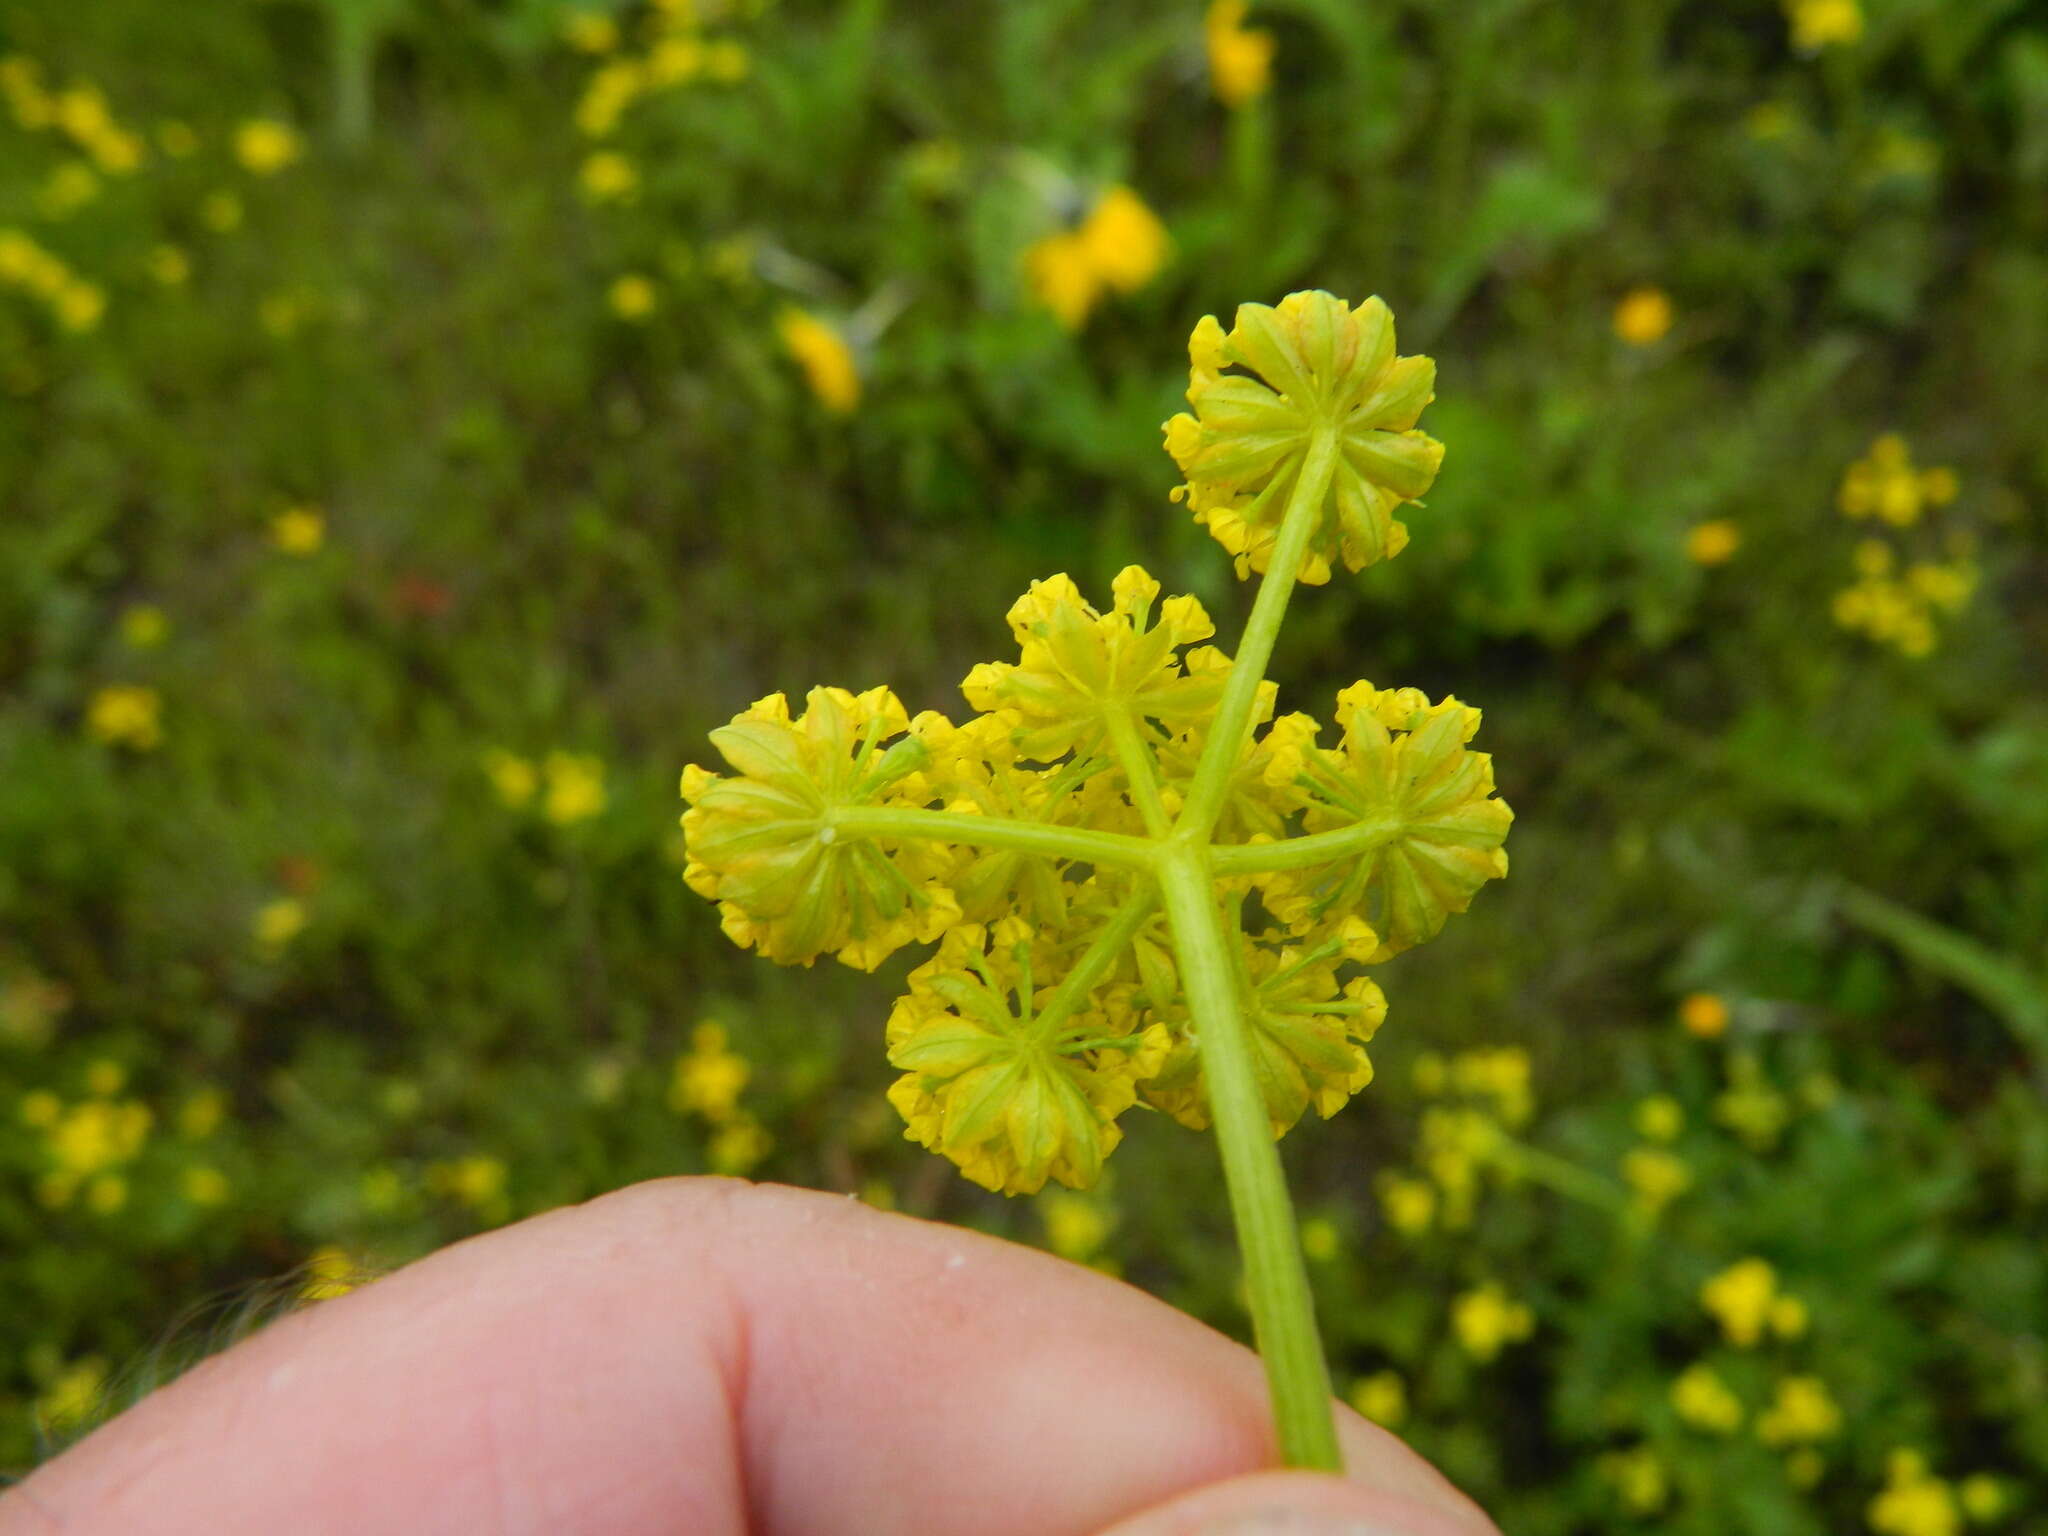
(422, 420)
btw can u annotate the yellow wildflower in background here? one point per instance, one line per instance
(1319, 1239)
(105, 1078)
(1751, 1106)
(575, 787)
(1656, 1176)
(1118, 248)
(513, 777)
(79, 306)
(611, 90)
(1381, 1397)
(204, 1185)
(1885, 484)
(88, 1142)
(1894, 608)
(1712, 543)
(1659, 1117)
(277, 923)
(708, 1077)
(330, 1272)
(1818, 24)
(1914, 1502)
(1703, 1014)
(1076, 1226)
(1983, 1497)
(740, 1146)
(609, 177)
(821, 351)
(477, 1181)
(590, 32)
(1702, 1399)
(70, 187)
(1486, 1321)
(170, 266)
(221, 212)
(1803, 1411)
(143, 626)
(632, 296)
(126, 715)
(74, 1397)
(1643, 316)
(1639, 1477)
(1500, 1075)
(1240, 57)
(1740, 1297)
(298, 530)
(201, 1114)
(1410, 1204)
(177, 139)
(265, 146)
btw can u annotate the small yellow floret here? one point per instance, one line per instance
(1486, 1321)
(278, 922)
(1818, 24)
(1702, 1399)
(126, 715)
(574, 787)
(1712, 543)
(1240, 57)
(1381, 1397)
(609, 177)
(299, 530)
(632, 296)
(1703, 1014)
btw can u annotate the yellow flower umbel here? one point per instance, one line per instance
(1486, 1321)
(1914, 1502)
(827, 361)
(1240, 57)
(265, 146)
(1818, 24)
(1643, 317)
(1312, 360)
(1118, 248)
(126, 715)
(1703, 1400)
(1144, 884)
(1897, 596)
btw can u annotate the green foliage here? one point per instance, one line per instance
(380, 954)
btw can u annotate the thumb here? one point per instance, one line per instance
(1298, 1504)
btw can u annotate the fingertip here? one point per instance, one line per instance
(1299, 1504)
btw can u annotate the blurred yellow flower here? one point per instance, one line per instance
(822, 353)
(40, 1109)
(74, 1397)
(1913, 1502)
(1788, 1317)
(104, 1078)
(1657, 1177)
(70, 187)
(609, 177)
(725, 61)
(1240, 57)
(79, 306)
(1501, 1075)
(201, 1114)
(1486, 1321)
(632, 296)
(1659, 1117)
(1118, 248)
(221, 212)
(1702, 1399)
(330, 1271)
(1076, 1226)
(1638, 1477)
(1319, 1239)
(170, 266)
(1983, 1497)
(203, 1185)
(1818, 24)
(708, 1077)
(1712, 543)
(513, 777)
(1643, 316)
(89, 1140)
(1410, 1204)
(590, 32)
(739, 1147)
(126, 715)
(1703, 1014)
(278, 922)
(1802, 1411)
(1742, 1297)
(612, 89)
(1381, 1397)
(144, 627)
(477, 1181)
(298, 530)
(265, 146)
(574, 787)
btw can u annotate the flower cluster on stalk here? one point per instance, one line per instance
(1023, 840)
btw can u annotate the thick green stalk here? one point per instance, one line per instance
(1248, 669)
(1136, 761)
(1115, 849)
(1276, 1278)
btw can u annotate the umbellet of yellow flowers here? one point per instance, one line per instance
(1145, 887)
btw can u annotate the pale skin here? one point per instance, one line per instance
(707, 1356)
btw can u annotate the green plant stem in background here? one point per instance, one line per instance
(1276, 1276)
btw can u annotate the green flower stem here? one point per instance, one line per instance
(1240, 692)
(1113, 849)
(1136, 762)
(1303, 852)
(1075, 986)
(1555, 1173)
(1276, 1277)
